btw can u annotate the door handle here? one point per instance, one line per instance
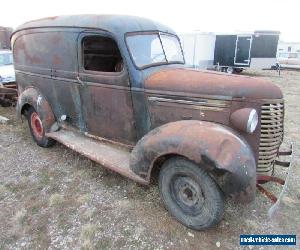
(81, 82)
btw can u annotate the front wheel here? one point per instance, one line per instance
(190, 194)
(37, 129)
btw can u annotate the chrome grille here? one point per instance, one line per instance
(271, 135)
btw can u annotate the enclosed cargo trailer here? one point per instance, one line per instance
(234, 52)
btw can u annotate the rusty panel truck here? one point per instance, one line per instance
(115, 89)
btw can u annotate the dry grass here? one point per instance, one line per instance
(88, 214)
(87, 245)
(56, 200)
(81, 199)
(88, 232)
(3, 191)
(87, 236)
(20, 216)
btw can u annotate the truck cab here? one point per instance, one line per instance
(115, 89)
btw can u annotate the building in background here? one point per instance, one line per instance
(288, 47)
(5, 33)
(288, 55)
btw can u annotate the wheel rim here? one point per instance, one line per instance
(187, 194)
(36, 125)
(229, 70)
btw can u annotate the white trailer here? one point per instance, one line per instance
(198, 48)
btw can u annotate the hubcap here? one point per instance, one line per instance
(36, 125)
(188, 194)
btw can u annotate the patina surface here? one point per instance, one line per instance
(126, 106)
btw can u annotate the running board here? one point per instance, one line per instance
(108, 155)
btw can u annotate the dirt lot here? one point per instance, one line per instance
(54, 198)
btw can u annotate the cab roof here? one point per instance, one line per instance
(111, 23)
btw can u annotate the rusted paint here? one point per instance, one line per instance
(150, 104)
(212, 83)
(262, 179)
(212, 146)
(111, 157)
(266, 178)
(265, 192)
(34, 98)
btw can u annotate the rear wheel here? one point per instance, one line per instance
(190, 194)
(238, 70)
(37, 129)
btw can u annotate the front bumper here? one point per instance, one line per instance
(261, 179)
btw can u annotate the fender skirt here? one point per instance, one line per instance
(227, 158)
(34, 98)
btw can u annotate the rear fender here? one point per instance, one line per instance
(211, 146)
(31, 96)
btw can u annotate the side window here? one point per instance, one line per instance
(101, 54)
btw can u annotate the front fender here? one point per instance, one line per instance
(31, 96)
(212, 146)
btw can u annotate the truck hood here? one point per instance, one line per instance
(189, 81)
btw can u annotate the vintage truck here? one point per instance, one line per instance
(115, 89)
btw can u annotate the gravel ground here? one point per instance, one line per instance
(54, 198)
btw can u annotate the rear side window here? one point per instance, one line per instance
(101, 54)
(55, 50)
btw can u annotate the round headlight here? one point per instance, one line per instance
(245, 119)
(252, 121)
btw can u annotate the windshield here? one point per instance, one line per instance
(151, 49)
(6, 59)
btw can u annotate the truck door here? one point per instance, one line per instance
(105, 92)
(242, 50)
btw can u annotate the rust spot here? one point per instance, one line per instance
(202, 143)
(56, 60)
(211, 83)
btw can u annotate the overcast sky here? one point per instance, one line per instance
(207, 16)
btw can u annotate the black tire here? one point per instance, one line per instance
(190, 194)
(38, 136)
(278, 67)
(238, 70)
